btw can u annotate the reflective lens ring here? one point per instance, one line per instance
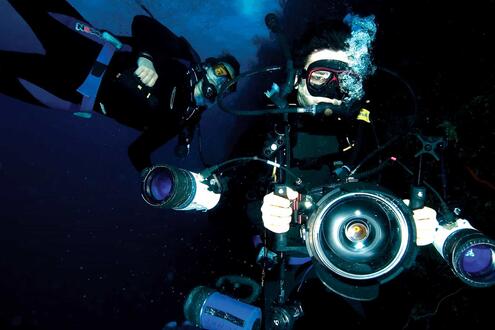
(472, 257)
(360, 232)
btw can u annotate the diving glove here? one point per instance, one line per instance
(146, 71)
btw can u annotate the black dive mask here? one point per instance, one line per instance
(219, 74)
(323, 78)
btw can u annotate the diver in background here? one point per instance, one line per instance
(152, 81)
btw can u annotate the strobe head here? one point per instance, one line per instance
(470, 254)
(209, 309)
(360, 236)
(170, 187)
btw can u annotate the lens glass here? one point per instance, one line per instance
(478, 261)
(161, 185)
(357, 231)
(361, 236)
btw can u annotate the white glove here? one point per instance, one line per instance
(146, 71)
(426, 222)
(277, 212)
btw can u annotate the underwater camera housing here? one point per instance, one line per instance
(359, 236)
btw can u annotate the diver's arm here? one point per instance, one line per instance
(186, 136)
(183, 146)
(141, 149)
(152, 38)
(152, 42)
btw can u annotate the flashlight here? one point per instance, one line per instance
(470, 254)
(170, 187)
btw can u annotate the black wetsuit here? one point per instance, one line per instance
(160, 112)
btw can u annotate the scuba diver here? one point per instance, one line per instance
(334, 68)
(331, 67)
(152, 81)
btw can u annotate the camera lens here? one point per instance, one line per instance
(472, 256)
(168, 187)
(161, 184)
(360, 238)
(357, 231)
(360, 235)
(477, 259)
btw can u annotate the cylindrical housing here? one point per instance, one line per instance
(170, 187)
(211, 310)
(470, 254)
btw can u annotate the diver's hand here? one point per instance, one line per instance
(426, 222)
(146, 71)
(277, 212)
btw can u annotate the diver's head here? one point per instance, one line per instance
(319, 81)
(333, 57)
(216, 72)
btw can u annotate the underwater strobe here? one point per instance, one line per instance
(360, 236)
(470, 254)
(170, 187)
(211, 310)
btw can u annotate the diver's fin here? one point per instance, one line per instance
(80, 26)
(54, 102)
(88, 31)
(89, 87)
(47, 98)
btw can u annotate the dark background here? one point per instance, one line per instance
(80, 249)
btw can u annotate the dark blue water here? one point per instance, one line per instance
(80, 249)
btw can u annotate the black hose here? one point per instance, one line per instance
(209, 171)
(409, 89)
(372, 171)
(450, 216)
(254, 112)
(373, 153)
(236, 279)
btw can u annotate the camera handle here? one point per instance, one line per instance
(279, 287)
(278, 290)
(429, 145)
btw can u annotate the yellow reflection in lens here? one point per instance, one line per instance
(357, 231)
